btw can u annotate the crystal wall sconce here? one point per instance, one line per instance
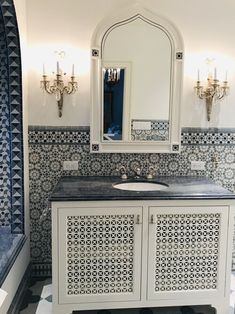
(58, 88)
(113, 76)
(212, 92)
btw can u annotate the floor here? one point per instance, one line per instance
(38, 300)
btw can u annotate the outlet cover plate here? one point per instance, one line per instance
(198, 165)
(70, 165)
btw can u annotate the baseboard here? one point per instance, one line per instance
(16, 302)
(41, 270)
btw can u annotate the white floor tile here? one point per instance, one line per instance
(44, 307)
(46, 291)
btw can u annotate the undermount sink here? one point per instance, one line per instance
(140, 186)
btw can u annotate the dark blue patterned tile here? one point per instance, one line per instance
(5, 163)
(46, 167)
(14, 115)
(212, 136)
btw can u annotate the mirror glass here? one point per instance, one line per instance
(136, 82)
(113, 92)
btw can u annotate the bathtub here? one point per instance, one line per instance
(13, 263)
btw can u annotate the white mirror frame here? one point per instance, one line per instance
(97, 144)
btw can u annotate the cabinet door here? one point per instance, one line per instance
(99, 254)
(187, 252)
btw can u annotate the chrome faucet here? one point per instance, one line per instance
(151, 172)
(137, 171)
(122, 171)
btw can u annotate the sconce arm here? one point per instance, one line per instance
(58, 89)
(72, 86)
(212, 92)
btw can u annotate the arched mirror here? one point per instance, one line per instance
(136, 84)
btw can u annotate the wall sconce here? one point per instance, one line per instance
(212, 92)
(113, 76)
(58, 88)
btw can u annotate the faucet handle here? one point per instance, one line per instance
(137, 171)
(122, 171)
(151, 172)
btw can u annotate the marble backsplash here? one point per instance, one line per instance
(50, 146)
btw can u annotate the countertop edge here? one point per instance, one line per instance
(144, 198)
(85, 188)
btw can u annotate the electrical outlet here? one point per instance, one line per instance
(70, 165)
(198, 165)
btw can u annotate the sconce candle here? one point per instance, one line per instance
(58, 88)
(73, 70)
(198, 75)
(113, 76)
(215, 74)
(58, 68)
(212, 92)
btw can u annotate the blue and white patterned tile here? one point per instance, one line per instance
(64, 135)
(11, 99)
(46, 160)
(211, 136)
(159, 131)
(5, 172)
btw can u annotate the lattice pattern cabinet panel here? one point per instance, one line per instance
(101, 251)
(186, 249)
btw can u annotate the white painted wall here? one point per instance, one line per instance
(206, 27)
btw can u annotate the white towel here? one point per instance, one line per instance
(3, 295)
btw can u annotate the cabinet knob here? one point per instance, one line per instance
(138, 220)
(152, 220)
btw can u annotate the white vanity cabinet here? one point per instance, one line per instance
(187, 247)
(99, 253)
(128, 254)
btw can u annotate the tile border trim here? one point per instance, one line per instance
(80, 135)
(210, 136)
(41, 270)
(59, 135)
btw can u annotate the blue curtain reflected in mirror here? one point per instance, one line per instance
(113, 105)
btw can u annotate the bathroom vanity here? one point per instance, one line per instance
(115, 248)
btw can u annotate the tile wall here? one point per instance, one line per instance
(49, 147)
(5, 181)
(11, 134)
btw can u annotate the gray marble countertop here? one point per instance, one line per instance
(88, 188)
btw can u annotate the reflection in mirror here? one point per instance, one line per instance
(113, 89)
(150, 56)
(149, 130)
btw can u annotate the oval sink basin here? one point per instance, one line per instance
(140, 186)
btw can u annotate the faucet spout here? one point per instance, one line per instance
(137, 172)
